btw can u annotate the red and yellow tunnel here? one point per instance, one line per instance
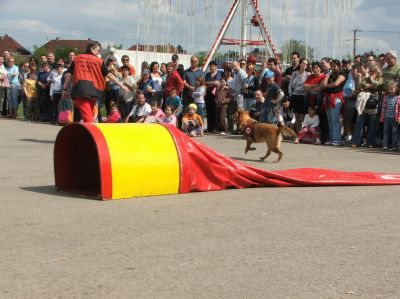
(115, 161)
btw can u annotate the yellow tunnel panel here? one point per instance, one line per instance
(144, 160)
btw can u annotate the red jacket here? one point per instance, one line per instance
(173, 81)
(88, 72)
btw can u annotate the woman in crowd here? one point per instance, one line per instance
(297, 92)
(250, 85)
(232, 105)
(332, 85)
(13, 91)
(212, 78)
(157, 82)
(163, 70)
(314, 96)
(173, 81)
(367, 107)
(3, 83)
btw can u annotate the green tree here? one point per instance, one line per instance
(63, 52)
(38, 51)
(299, 46)
(116, 46)
(201, 55)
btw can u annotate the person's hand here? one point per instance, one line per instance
(125, 89)
(66, 95)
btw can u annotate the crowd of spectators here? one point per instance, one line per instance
(331, 101)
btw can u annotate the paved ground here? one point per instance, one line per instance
(336, 242)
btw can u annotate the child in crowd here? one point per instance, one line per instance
(198, 95)
(155, 114)
(31, 91)
(287, 117)
(192, 123)
(310, 126)
(221, 101)
(390, 117)
(175, 101)
(169, 117)
(114, 116)
(146, 85)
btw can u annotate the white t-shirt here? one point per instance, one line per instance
(138, 111)
(130, 95)
(157, 83)
(312, 122)
(198, 94)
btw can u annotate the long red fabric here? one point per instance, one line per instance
(204, 169)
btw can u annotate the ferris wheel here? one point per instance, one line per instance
(243, 42)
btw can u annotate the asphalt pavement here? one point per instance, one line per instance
(325, 242)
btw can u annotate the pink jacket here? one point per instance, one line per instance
(396, 109)
(113, 117)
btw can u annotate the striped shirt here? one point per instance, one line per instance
(390, 106)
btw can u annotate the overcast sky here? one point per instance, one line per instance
(194, 23)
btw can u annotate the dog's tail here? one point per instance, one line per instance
(287, 132)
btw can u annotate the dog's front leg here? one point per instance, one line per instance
(248, 147)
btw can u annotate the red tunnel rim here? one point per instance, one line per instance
(105, 160)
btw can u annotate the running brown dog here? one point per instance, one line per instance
(261, 132)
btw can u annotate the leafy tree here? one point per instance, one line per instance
(299, 46)
(39, 51)
(116, 46)
(201, 55)
(63, 52)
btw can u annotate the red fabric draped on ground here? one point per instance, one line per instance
(204, 169)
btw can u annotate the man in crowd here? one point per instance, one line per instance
(273, 98)
(23, 75)
(6, 56)
(243, 64)
(237, 83)
(255, 111)
(191, 75)
(51, 60)
(71, 58)
(326, 65)
(140, 110)
(125, 61)
(392, 71)
(273, 66)
(177, 66)
(287, 75)
(88, 73)
(44, 92)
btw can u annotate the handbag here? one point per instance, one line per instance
(66, 112)
(372, 102)
(5, 83)
(65, 117)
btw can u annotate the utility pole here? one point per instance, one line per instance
(355, 39)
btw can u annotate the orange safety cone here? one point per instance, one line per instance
(114, 161)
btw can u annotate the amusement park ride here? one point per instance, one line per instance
(243, 42)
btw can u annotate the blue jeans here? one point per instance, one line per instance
(267, 115)
(371, 120)
(390, 127)
(335, 130)
(12, 96)
(200, 109)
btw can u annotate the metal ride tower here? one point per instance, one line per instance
(256, 21)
